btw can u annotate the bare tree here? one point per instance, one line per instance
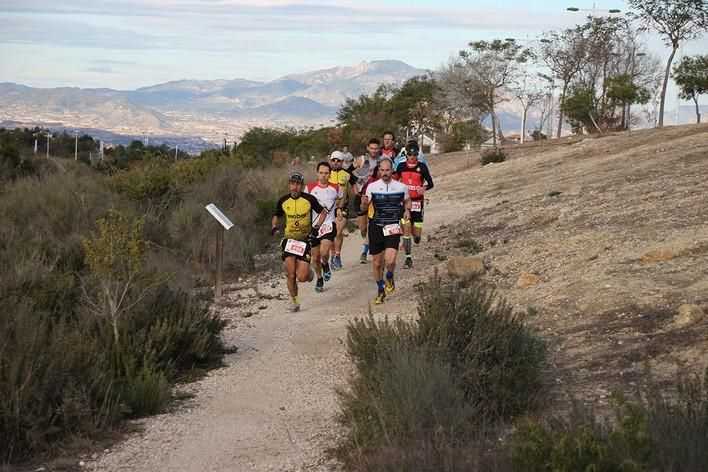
(493, 66)
(529, 95)
(676, 21)
(564, 54)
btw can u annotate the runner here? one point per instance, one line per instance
(402, 155)
(366, 172)
(388, 149)
(297, 208)
(347, 157)
(343, 179)
(329, 195)
(388, 199)
(416, 176)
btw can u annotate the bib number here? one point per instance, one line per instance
(324, 229)
(417, 206)
(392, 230)
(295, 247)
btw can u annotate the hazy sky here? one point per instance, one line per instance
(128, 44)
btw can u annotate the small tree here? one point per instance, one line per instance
(494, 66)
(691, 75)
(116, 259)
(675, 21)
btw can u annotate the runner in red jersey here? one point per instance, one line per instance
(416, 176)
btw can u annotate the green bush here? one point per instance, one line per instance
(492, 155)
(428, 395)
(497, 358)
(653, 434)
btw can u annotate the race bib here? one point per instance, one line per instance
(392, 230)
(416, 205)
(324, 229)
(295, 247)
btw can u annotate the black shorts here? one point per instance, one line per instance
(314, 242)
(378, 242)
(307, 257)
(417, 216)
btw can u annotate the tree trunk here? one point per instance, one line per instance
(662, 99)
(698, 113)
(523, 127)
(494, 129)
(560, 108)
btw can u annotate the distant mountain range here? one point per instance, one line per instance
(194, 114)
(213, 110)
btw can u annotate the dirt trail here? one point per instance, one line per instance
(580, 214)
(273, 406)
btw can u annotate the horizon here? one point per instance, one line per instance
(134, 44)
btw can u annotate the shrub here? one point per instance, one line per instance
(652, 434)
(427, 395)
(498, 360)
(492, 155)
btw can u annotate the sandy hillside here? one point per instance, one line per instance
(598, 241)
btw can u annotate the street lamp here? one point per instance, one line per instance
(593, 10)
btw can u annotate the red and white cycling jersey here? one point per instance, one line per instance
(327, 195)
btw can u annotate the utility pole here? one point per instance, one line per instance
(76, 145)
(176, 152)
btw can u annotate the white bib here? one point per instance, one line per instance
(324, 229)
(392, 230)
(296, 247)
(416, 205)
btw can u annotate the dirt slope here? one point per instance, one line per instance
(615, 229)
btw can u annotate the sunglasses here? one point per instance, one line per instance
(336, 160)
(412, 153)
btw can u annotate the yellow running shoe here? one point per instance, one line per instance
(380, 298)
(389, 286)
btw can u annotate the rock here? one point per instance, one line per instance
(527, 279)
(688, 315)
(465, 266)
(658, 255)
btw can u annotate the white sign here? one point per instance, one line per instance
(220, 217)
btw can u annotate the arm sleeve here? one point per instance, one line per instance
(353, 179)
(428, 179)
(279, 207)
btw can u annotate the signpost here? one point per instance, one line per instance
(225, 224)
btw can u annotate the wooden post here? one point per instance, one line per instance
(219, 261)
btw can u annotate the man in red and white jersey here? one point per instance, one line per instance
(416, 176)
(329, 195)
(388, 147)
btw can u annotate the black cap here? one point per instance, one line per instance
(412, 148)
(296, 177)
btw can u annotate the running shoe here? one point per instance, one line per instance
(362, 259)
(326, 273)
(380, 298)
(294, 305)
(409, 263)
(389, 286)
(336, 262)
(319, 286)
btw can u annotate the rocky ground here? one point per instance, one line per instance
(598, 242)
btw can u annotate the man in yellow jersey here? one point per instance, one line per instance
(342, 178)
(297, 208)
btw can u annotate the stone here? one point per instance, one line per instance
(465, 266)
(526, 280)
(688, 315)
(658, 255)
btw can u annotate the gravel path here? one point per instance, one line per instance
(273, 406)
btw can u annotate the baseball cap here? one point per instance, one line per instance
(412, 148)
(337, 155)
(296, 177)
